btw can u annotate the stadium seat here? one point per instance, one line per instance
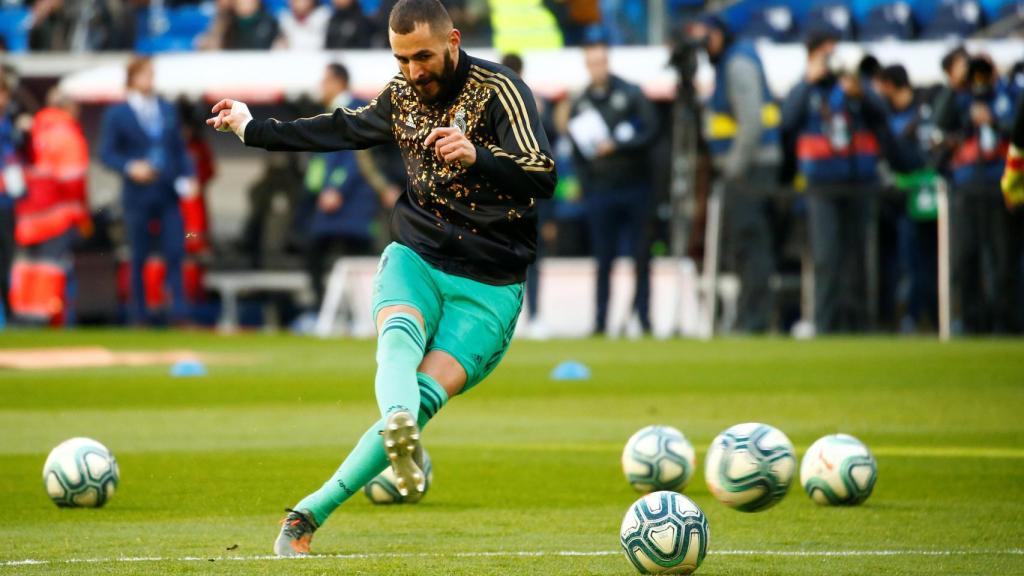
(189, 20)
(834, 16)
(165, 43)
(953, 19)
(773, 22)
(275, 6)
(893, 21)
(1007, 10)
(14, 23)
(173, 29)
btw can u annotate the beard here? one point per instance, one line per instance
(444, 81)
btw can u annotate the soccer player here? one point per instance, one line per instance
(448, 291)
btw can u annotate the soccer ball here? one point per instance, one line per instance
(80, 472)
(658, 458)
(749, 466)
(665, 533)
(384, 488)
(838, 470)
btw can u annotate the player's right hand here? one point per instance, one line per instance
(230, 116)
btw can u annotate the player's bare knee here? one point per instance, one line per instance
(387, 311)
(445, 370)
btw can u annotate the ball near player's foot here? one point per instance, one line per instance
(384, 488)
(665, 533)
(838, 470)
(749, 467)
(658, 458)
(80, 472)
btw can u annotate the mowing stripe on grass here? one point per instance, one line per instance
(894, 451)
(517, 554)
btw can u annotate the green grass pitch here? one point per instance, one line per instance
(526, 470)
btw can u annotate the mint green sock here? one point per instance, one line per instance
(400, 348)
(368, 459)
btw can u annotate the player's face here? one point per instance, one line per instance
(427, 60)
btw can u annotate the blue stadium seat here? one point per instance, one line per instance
(275, 7)
(165, 43)
(173, 29)
(1005, 10)
(834, 16)
(893, 21)
(774, 22)
(14, 24)
(189, 20)
(953, 19)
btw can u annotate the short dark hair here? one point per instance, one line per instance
(981, 66)
(818, 37)
(896, 75)
(408, 13)
(869, 67)
(513, 62)
(955, 53)
(338, 70)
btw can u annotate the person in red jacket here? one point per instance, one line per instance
(51, 215)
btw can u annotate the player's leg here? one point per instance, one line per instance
(406, 304)
(445, 371)
(364, 462)
(401, 345)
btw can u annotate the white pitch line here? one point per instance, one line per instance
(519, 554)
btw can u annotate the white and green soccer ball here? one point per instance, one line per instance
(384, 488)
(80, 472)
(665, 533)
(838, 470)
(749, 467)
(658, 458)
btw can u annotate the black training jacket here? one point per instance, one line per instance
(478, 222)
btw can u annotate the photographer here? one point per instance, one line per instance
(837, 126)
(983, 229)
(741, 129)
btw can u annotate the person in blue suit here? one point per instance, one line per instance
(141, 140)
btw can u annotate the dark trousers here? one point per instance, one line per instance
(750, 251)
(138, 222)
(533, 286)
(987, 246)
(324, 248)
(618, 223)
(6, 256)
(924, 271)
(837, 227)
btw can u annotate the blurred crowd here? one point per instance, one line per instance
(151, 26)
(867, 153)
(837, 182)
(160, 25)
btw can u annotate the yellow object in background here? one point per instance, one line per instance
(1013, 179)
(522, 25)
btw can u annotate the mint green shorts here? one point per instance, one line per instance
(470, 320)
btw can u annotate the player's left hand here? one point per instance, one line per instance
(451, 145)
